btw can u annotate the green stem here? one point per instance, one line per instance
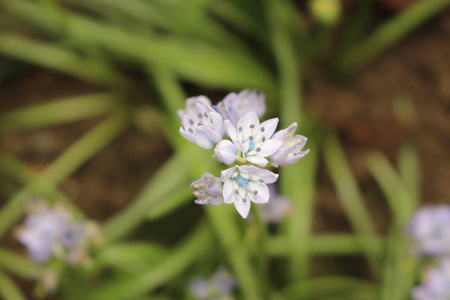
(262, 252)
(62, 167)
(391, 32)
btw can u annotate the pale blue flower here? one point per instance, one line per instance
(53, 232)
(191, 105)
(277, 208)
(234, 106)
(245, 184)
(429, 229)
(253, 140)
(436, 285)
(218, 287)
(291, 148)
(208, 190)
(201, 124)
(226, 152)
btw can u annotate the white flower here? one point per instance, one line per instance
(234, 106)
(201, 124)
(252, 139)
(291, 148)
(246, 184)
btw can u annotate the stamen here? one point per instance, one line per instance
(263, 129)
(244, 200)
(200, 115)
(263, 139)
(258, 149)
(190, 130)
(240, 129)
(191, 121)
(262, 180)
(205, 114)
(255, 192)
(252, 126)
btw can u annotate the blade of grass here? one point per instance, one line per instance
(319, 288)
(18, 265)
(327, 245)
(351, 199)
(8, 289)
(190, 250)
(198, 62)
(58, 112)
(391, 32)
(63, 166)
(408, 160)
(398, 196)
(170, 177)
(57, 58)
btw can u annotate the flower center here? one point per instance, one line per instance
(251, 146)
(241, 181)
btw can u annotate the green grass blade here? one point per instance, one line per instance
(63, 166)
(351, 198)
(190, 250)
(170, 177)
(58, 112)
(18, 265)
(391, 32)
(328, 245)
(57, 58)
(397, 194)
(8, 289)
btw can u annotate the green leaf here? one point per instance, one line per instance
(132, 257)
(58, 112)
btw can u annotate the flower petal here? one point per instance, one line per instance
(228, 192)
(242, 206)
(257, 160)
(267, 128)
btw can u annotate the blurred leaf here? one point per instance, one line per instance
(58, 112)
(397, 195)
(192, 60)
(8, 289)
(57, 58)
(333, 288)
(172, 202)
(327, 245)
(63, 166)
(132, 257)
(18, 265)
(391, 32)
(169, 177)
(351, 199)
(190, 250)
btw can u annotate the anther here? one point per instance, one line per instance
(252, 126)
(240, 129)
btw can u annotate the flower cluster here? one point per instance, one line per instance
(429, 230)
(50, 232)
(241, 141)
(218, 287)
